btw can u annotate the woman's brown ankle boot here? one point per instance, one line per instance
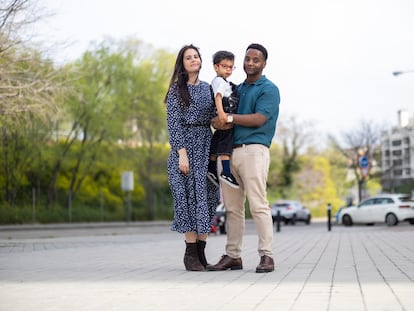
(201, 245)
(191, 260)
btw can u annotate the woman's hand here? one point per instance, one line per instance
(183, 163)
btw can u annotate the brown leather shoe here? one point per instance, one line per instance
(266, 265)
(225, 263)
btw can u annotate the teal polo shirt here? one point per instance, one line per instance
(263, 97)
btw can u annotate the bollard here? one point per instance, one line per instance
(329, 208)
(278, 221)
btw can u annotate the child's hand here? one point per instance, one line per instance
(223, 117)
(215, 122)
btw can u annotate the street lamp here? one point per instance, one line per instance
(397, 73)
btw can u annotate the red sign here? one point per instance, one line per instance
(364, 171)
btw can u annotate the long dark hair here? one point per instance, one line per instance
(180, 75)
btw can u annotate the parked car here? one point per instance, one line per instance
(338, 214)
(290, 212)
(383, 208)
(219, 220)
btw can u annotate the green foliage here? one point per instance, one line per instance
(314, 179)
(373, 186)
(338, 164)
(274, 182)
(315, 186)
(100, 195)
(405, 188)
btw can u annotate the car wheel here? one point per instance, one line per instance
(411, 221)
(347, 220)
(308, 220)
(293, 220)
(391, 220)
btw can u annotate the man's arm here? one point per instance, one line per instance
(247, 120)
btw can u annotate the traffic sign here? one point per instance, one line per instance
(363, 162)
(127, 181)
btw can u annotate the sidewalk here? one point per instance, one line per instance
(139, 267)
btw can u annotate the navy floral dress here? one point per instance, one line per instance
(195, 197)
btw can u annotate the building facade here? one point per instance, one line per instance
(397, 150)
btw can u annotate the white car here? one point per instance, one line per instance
(383, 208)
(290, 212)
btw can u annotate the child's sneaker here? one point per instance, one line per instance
(229, 180)
(213, 178)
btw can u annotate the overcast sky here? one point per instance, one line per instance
(331, 59)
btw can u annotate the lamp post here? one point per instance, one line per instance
(398, 73)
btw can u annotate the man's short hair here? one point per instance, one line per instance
(259, 47)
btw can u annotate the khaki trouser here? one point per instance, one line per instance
(250, 166)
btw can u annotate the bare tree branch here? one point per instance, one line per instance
(28, 83)
(362, 141)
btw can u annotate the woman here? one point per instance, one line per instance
(190, 107)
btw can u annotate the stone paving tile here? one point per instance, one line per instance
(358, 268)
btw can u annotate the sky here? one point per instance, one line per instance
(332, 60)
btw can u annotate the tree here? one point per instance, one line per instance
(339, 172)
(314, 184)
(146, 110)
(28, 83)
(93, 114)
(119, 90)
(363, 141)
(295, 136)
(274, 180)
(30, 93)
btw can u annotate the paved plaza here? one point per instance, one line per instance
(139, 266)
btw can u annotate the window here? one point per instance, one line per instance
(383, 201)
(397, 162)
(367, 202)
(397, 172)
(405, 199)
(396, 143)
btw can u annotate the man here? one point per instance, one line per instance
(254, 128)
